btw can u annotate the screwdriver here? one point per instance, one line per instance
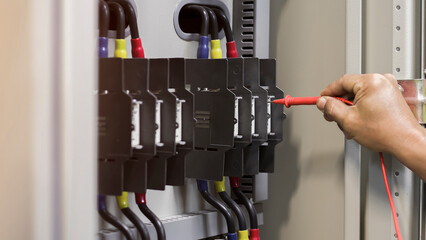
(289, 101)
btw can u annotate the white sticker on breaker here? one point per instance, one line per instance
(253, 115)
(136, 140)
(158, 123)
(269, 112)
(236, 116)
(179, 127)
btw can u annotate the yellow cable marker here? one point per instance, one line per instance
(220, 185)
(120, 48)
(216, 51)
(243, 235)
(122, 200)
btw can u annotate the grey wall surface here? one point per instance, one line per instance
(306, 190)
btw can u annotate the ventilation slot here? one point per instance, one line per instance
(244, 17)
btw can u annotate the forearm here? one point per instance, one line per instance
(411, 150)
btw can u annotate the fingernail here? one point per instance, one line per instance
(321, 103)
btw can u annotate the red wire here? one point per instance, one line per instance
(395, 217)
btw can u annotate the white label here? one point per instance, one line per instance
(136, 140)
(236, 116)
(253, 115)
(179, 128)
(158, 142)
(269, 111)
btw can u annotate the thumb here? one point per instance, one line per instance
(333, 109)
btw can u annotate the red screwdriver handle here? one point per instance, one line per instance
(289, 101)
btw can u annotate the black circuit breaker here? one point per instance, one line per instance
(164, 120)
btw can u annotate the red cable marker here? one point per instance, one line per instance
(289, 101)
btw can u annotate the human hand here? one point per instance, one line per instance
(380, 119)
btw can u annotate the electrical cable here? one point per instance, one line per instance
(159, 227)
(254, 227)
(215, 51)
(204, 17)
(130, 16)
(288, 101)
(203, 42)
(136, 42)
(120, 42)
(123, 204)
(108, 217)
(221, 190)
(118, 11)
(103, 19)
(231, 48)
(104, 16)
(224, 22)
(214, 26)
(204, 191)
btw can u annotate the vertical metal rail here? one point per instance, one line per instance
(354, 46)
(422, 198)
(407, 64)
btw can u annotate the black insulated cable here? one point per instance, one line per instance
(214, 26)
(140, 226)
(130, 16)
(224, 22)
(221, 208)
(236, 209)
(249, 206)
(103, 19)
(118, 12)
(204, 18)
(116, 223)
(161, 233)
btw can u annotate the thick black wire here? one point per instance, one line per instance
(140, 226)
(120, 18)
(214, 27)
(224, 22)
(221, 208)
(249, 206)
(204, 18)
(130, 15)
(116, 223)
(103, 19)
(236, 209)
(159, 228)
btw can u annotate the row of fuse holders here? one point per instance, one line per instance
(163, 120)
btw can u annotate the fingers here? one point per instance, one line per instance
(344, 85)
(333, 109)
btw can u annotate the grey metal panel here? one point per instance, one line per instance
(369, 48)
(352, 150)
(407, 39)
(407, 64)
(261, 26)
(352, 190)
